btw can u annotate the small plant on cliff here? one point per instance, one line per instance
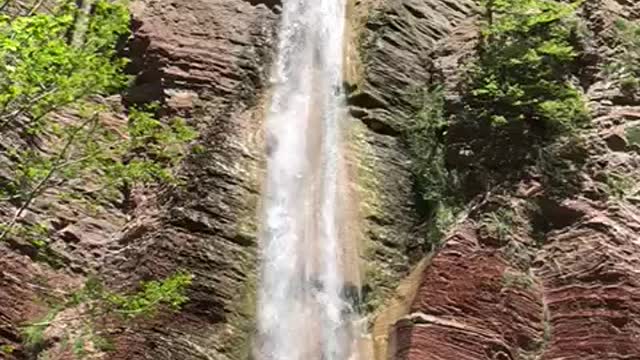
(625, 65)
(41, 71)
(521, 77)
(619, 186)
(499, 224)
(7, 349)
(517, 280)
(435, 183)
(94, 302)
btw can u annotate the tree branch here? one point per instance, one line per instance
(41, 186)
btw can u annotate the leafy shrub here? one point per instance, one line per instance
(6, 349)
(625, 66)
(436, 184)
(424, 137)
(89, 147)
(517, 280)
(42, 71)
(619, 186)
(526, 52)
(94, 302)
(499, 224)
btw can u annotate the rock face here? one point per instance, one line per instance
(208, 62)
(392, 68)
(562, 283)
(214, 55)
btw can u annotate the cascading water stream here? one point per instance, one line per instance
(302, 312)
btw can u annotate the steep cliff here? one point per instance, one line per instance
(207, 62)
(555, 275)
(541, 264)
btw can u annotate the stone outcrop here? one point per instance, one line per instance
(393, 40)
(562, 283)
(215, 55)
(208, 62)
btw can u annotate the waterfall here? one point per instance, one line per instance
(302, 310)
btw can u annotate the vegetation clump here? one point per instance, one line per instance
(434, 181)
(499, 224)
(94, 302)
(49, 63)
(527, 51)
(42, 71)
(625, 66)
(517, 97)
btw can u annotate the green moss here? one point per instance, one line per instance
(7, 349)
(632, 134)
(368, 174)
(33, 334)
(624, 67)
(517, 280)
(620, 186)
(379, 279)
(242, 321)
(378, 286)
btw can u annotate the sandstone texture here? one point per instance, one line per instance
(210, 59)
(391, 68)
(208, 62)
(562, 282)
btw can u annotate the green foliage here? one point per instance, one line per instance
(499, 224)
(435, 183)
(41, 71)
(517, 280)
(169, 293)
(625, 65)
(89, 147)
(94, 302)
(527, 50)
(620, 186)
(7, 349)
(34, 334)
(443, 218)
(425, 145)
(632, 133)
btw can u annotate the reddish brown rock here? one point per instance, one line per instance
(564, 283)
(207, 61)
(592, 288)
(580, 299)
(25, 289)
(472, 304)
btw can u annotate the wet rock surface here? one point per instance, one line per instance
(394, 44)
(217, 55)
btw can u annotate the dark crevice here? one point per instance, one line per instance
(380, 127)
(274, 5)
(365, 100)
(415, 12)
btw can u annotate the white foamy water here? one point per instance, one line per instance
(302, 313)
